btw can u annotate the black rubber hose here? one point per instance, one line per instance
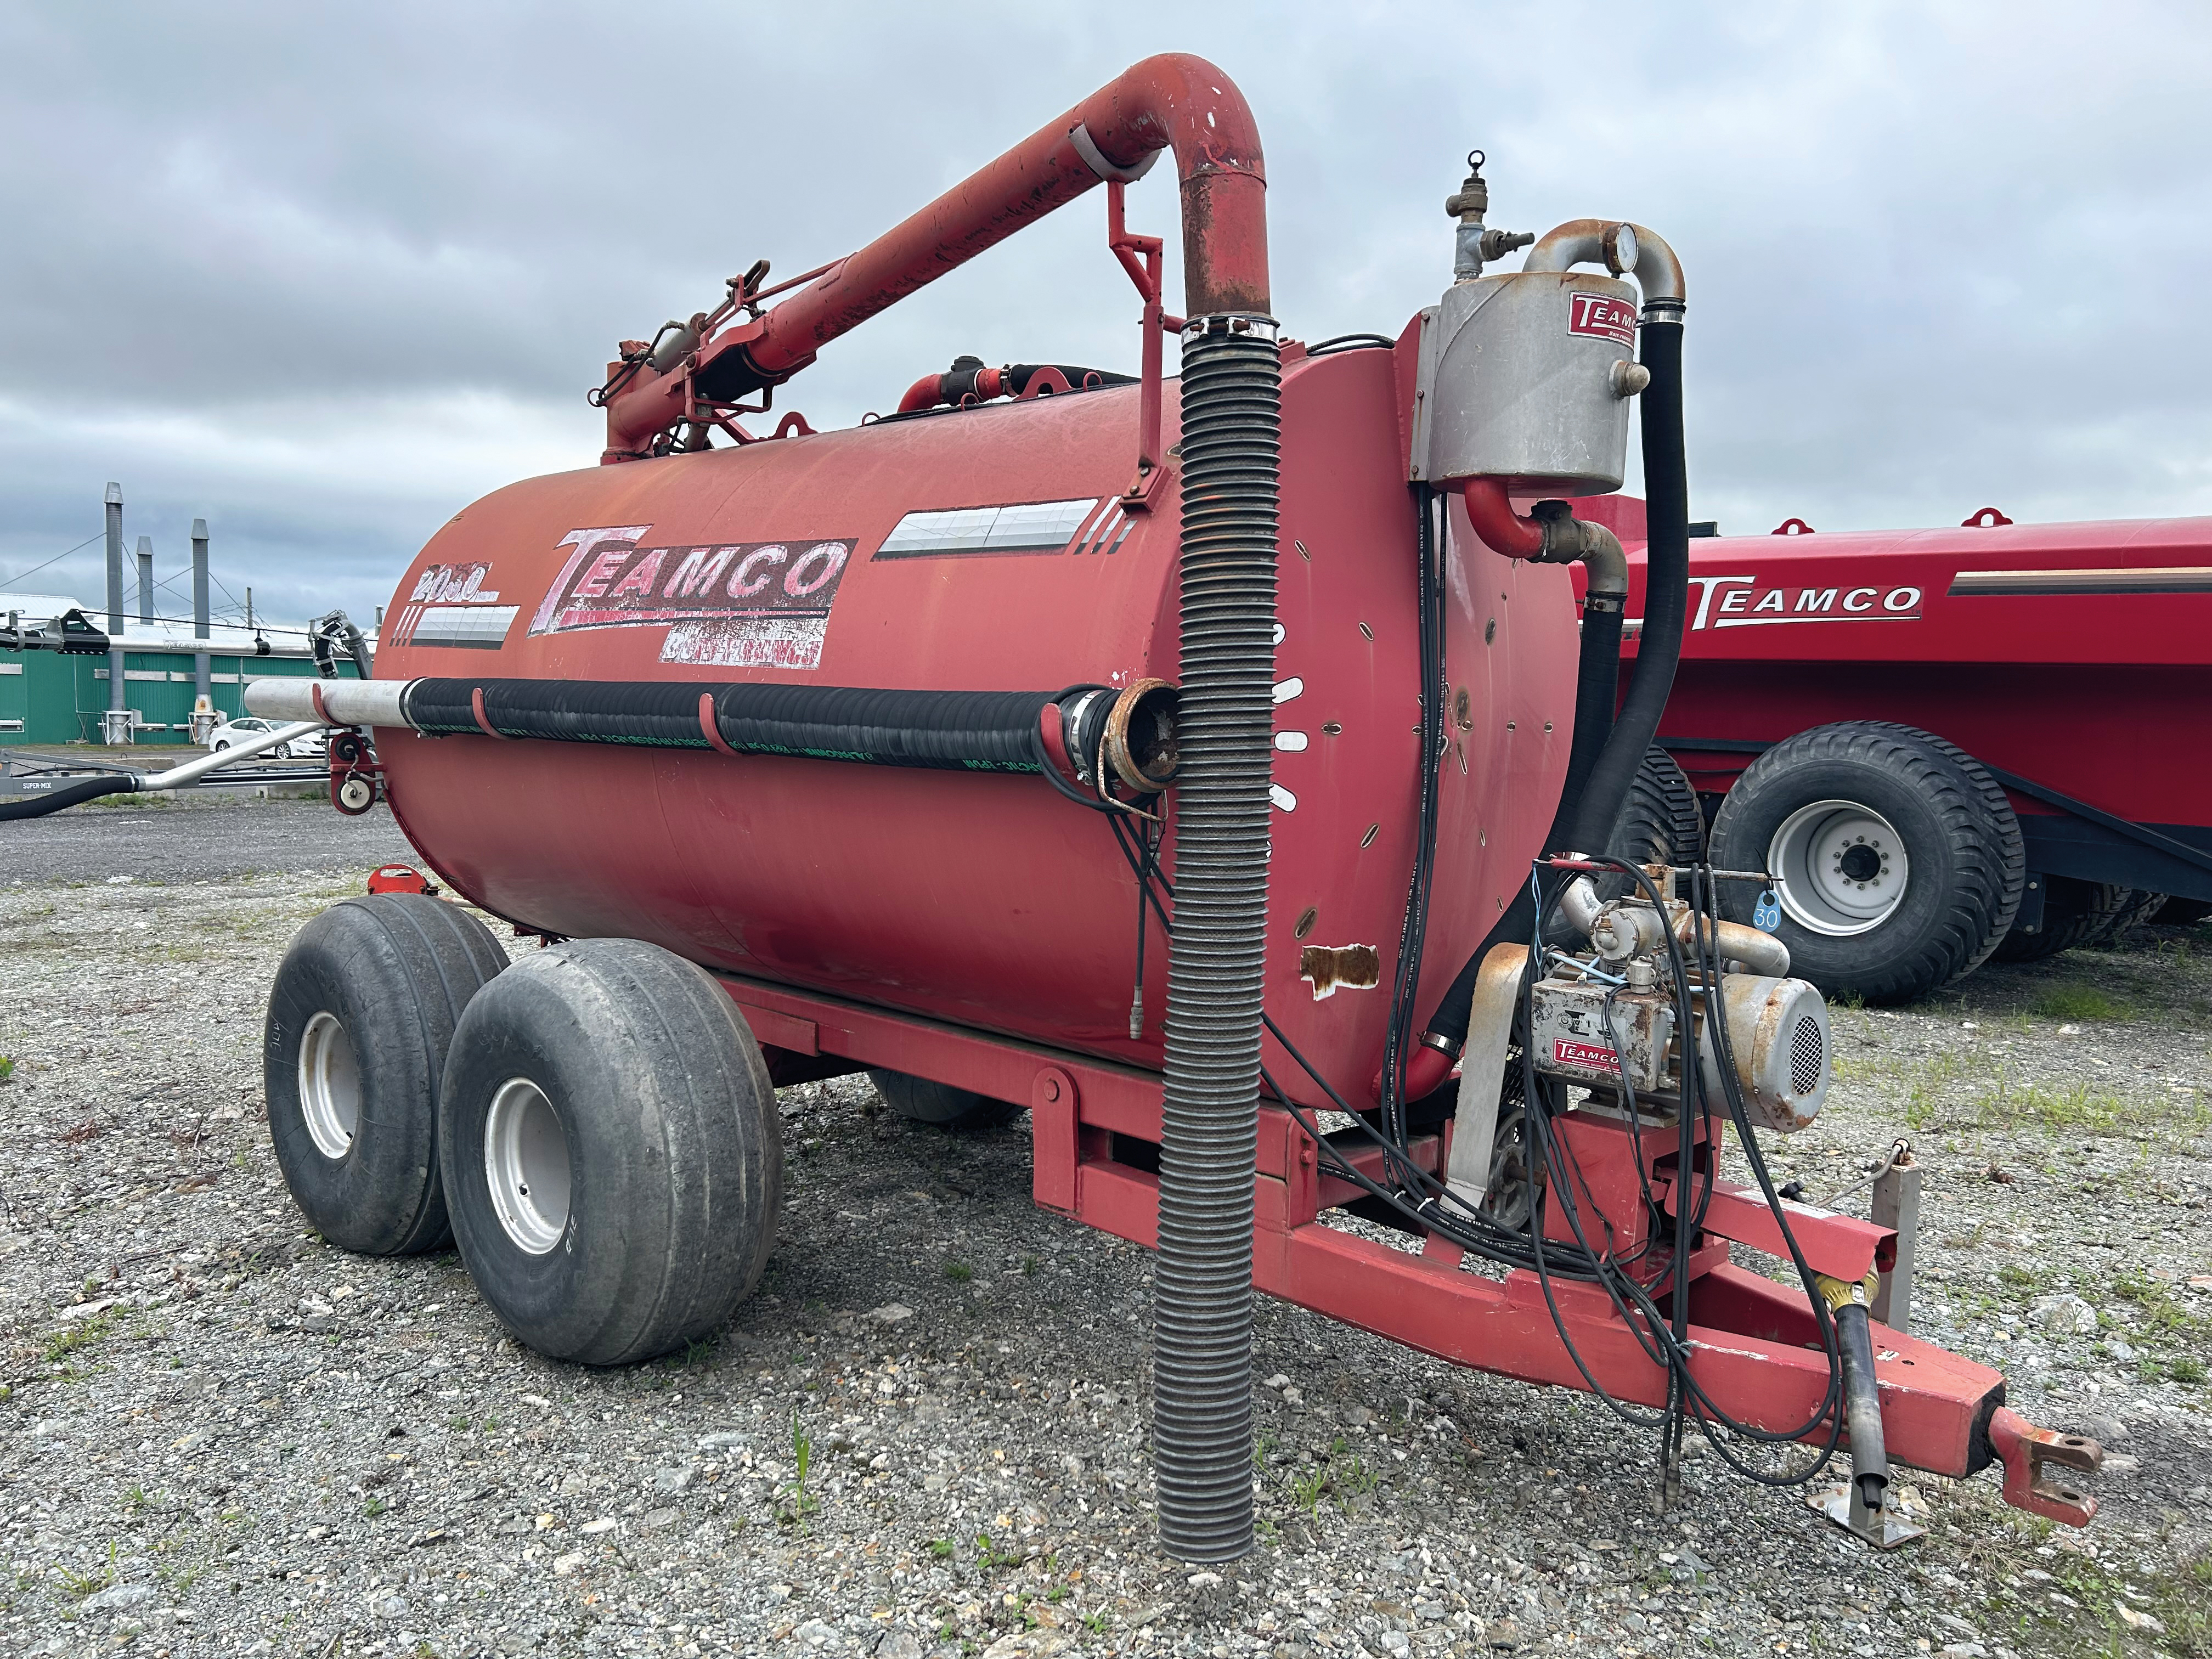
(74, 794)
(1862, 1404)
(1666, 592)
(960, 731)
(1202, 1295)
(1597, 680)
(1587, 812)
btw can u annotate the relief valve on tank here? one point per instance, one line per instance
(1475, 244)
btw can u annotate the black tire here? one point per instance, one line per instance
(394, 972)
(661, 1119)
(1967, 861)
(2074, 912)
(2182, 913)
(1660, 822)
(2134, 909)
(919, 1100)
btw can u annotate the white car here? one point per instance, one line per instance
(248, 727)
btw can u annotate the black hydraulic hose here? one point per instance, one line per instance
(1862, 1404)
(1666, 592)
(72, 794)
(1209, 1129)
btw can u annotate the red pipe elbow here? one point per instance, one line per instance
(1173, 101)
(1489, 511)
(925, 393)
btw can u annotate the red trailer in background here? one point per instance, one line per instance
(1905, 724)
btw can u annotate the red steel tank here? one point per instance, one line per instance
(982, 550)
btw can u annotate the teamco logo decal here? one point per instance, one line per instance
(1603, 316)
(741, 604)
(1565, 1053)
(1743, 602)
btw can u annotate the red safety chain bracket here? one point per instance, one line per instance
(1141, 257)
(2025, 1449)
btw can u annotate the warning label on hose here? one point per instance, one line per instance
(744, 605)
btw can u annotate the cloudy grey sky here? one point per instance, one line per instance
(324, 275)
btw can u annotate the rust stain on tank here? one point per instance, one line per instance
(1329, 968)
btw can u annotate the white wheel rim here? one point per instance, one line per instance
(1840, 868)
(329, 1085)
(527, 1165)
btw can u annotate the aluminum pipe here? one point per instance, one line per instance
(344, 702)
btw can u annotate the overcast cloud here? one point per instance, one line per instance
(323, 276)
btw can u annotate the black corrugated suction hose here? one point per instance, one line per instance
(1202, 1295)
(1587, 807)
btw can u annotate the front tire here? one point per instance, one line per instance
(1900, 863)
(353, 1053)
(612, 1155)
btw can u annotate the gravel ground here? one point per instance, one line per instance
(927, 1434)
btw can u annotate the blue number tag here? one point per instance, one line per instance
(1766, 914)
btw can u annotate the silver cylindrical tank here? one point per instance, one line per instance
(1517, 382)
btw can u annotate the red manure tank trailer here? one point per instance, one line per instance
(1949, 746)
(921, 747)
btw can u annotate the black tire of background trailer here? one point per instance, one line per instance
(1661, 822)
(675, 1150)
(2073, 911)
(397, 970)
(1957, 826)
(918, 1100)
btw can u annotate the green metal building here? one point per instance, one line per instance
(47, 697)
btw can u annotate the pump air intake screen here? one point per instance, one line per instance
(1805, 1056)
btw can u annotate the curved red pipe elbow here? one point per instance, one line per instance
(925, 393)
(1181, 102)
(1489, 511)
(1173, 101)
(1425, 1070)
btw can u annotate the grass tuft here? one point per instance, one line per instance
(2078, 1002)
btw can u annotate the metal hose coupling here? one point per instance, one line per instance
(1202, 1295)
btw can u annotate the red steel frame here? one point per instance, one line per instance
(1757, 1353)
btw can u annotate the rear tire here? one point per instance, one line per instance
(920, 1100)
(353, 1053)
(2182, 913)
(612, 1154)
(2135, 909)
(2074, 912)
(1911, 809)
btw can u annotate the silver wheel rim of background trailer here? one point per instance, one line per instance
(329, 1085)
(527, 1165)
(1840, 868)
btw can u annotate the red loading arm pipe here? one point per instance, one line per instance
(1174, 102)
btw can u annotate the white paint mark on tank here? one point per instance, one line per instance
(1290, 743)
(1286, 689)
(1282, 798)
